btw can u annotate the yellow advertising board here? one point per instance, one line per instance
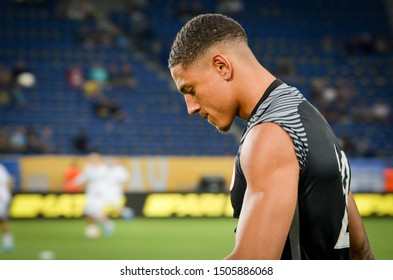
(162, 205)
(147, 174)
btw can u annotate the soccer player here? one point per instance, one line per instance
(118, 177)
(291, 183)
(6, 183)
(95, 177)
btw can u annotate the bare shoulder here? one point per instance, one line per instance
(267, 145)
(268, 152)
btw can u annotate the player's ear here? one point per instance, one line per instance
(223, 67)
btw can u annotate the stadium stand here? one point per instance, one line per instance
(301, 41)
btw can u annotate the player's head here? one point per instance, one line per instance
(201, 33)
(95, 158)
(202, 62)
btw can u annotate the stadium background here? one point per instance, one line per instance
(338, 53)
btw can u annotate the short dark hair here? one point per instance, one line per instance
(200, 33)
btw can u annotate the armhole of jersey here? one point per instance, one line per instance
(294, 236)
(233, 176)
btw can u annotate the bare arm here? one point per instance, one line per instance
(270, 166)
(360, 247)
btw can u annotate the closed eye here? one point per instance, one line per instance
(187, 90)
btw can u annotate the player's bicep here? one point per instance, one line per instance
(271, 169)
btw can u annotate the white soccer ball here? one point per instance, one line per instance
(46, 255)
(92, 231)
(26, 79)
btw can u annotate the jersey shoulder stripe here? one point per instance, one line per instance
(281, 107)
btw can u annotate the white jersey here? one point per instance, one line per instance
(5, 192)
(96, 178)
(118, 176)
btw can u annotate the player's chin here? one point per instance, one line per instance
(223, 129)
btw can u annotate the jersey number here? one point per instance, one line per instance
(343, 238)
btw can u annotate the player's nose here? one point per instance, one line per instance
(193, 107)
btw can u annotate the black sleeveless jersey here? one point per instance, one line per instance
(320, 226)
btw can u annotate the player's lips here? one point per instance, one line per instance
(205, 116)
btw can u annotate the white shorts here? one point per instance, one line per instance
(114, 201)
(94, 206)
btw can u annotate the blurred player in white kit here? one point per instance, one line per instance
(6, 184)
(118, 177)
(95, 176)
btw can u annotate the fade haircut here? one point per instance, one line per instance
(201, 33)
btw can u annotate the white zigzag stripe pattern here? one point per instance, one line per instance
(281, 107)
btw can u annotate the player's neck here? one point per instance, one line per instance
(253, 89)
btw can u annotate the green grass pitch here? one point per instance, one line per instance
(151, 239)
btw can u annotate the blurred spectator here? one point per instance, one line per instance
(18, 97)
(75, 77)
(5, 85)
(85, 37)
(80, 142)
(92, 90)
(381, 111)
(91, 37)
(346, 94)
(363, 44)
(19, 68)
(18, 140)
(98, 76)
(5, 135)
(367, 43)
(230, 7)
(46, 142)
(26, 140)
(285, 70)
(356, 148)
(346, 91)
(12, 84)
(5, 76)
(324, 97)
(124, 77)
(21, 78)
(33, 141)
(363, 147)
(98, 73)
(79, 10)
(136, 4)
(187, 10)
(141, 31)
(105, 108)
(335, 100)
(5, 98)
